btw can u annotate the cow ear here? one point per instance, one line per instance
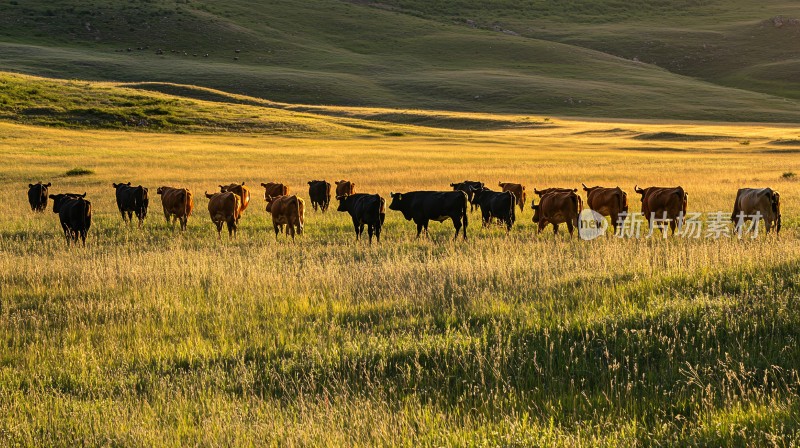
(48, 184)
(115, 185)
(309, 182)
(83, 195)
(30, 185)
(243, 184)
(52, 196)
(129, 183)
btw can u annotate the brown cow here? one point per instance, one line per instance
(664, 203)
(606, 201)
(751, 202)
(286, 211)
(274, 189)
(345, 187)
(558, 207)
(177, 203)
(242, 191)
(518, 190)
(224, 208)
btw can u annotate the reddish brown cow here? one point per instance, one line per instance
(558, 207)
(518, 190)
(286, 211)
(177, 203)
(274, 189)
(606, 201)
(345, 187)
(240, 190)
(664, 203)
(225, 208)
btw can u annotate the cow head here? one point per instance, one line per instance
(121, 185)
(476, 193)
(535, 207)
(161, 190)
(342, 202)
(397, 201)
(209, 196)
(775, 200)
(58, 199)
(270, 201)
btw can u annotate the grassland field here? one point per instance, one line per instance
(155, 337)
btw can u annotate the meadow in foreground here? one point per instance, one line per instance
(154, 337)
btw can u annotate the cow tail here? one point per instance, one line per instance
(579, 207)
(465, 214)
(512, 214)
(382, 211)
(186, 202)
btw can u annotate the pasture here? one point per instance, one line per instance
(154, 337)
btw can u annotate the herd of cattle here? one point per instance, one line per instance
(555, 206)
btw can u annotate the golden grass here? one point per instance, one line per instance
(154, 337)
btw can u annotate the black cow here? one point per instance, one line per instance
(495, 204)
(468, 187)
(37, 196)
(369, 209)
(319, 192)
(132, 200)
(423, 206)
(75, 214)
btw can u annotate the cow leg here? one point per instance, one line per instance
(122, 212)
(419, 229)
(555, 229)
(672, 225)
(457, 225)
(130, 217)
(570, 228)
(355, 227)
(360, 229)
(370, 231)
(83, 237)
(290, 230)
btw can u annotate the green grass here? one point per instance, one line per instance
(332, 52)
(79, 172)
(155, 337)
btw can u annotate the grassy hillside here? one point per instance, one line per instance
(334, 52)
(154, 338)
(742, 44)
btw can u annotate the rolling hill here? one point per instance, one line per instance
(328, 52)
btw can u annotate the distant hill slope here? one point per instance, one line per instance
(356, 54)
(752, 45)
